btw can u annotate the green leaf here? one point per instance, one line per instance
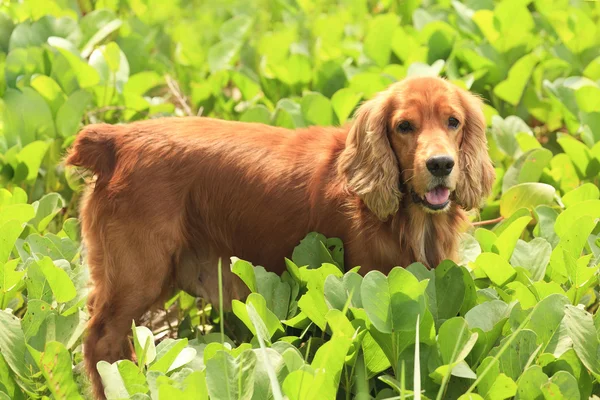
(567, 218)
(231, 378)
(511, 90)
(288, 115)
(530, 384)
(496, 268)
(258, 113)
(344, 101)
(504, 132)
(579, 155)
(527, 168)
(9, 233)
(566, 385)
(317, 109)
(46, 209)
(245, 271)
(71, 113)
(270, 322)
(133, 379)
(114, 386)
(585, 192)
(13, 349)
(495, 385)
(168, 351)
(580, 327)
(60, 283)
(32, 156)
(517, 354)
(533, 256)
(507, 240)
(529, 195)
(455, 342)
(27, 117)
(50, 91)
(312, 251)
(377, 44)
(393, 303)
(143, 341)
(56, 366)
(546, 318)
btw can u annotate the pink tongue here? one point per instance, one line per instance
(437, 196)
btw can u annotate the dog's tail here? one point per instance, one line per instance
(95, 150)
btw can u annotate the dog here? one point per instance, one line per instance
(173, 195)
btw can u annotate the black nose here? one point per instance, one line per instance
(440, 165)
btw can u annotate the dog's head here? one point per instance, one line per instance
(424, 137)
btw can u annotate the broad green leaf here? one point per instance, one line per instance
(529, 385)
(511, 89)
(377, 44)
(507, 240)
(50, 91)
(9, 233)
(546, 318)
(167, 353)
(312, 251)
(133, 379)
(245, 271)
(71, 113)
(529, 195)
(258, 113)
(533, 256)
(567, 218)
(579, 155)
(288, 114)
(13, 349)
(504, 132)
(268, 323)
(514, 359)
(344, 101)
(393, 303)
(527, 168)
(114, 386)
(496, 268)
(587, 191)
(566, 385)
(27, 117)
(580, 327)
(32, 156)
(56, 366)
(317, 109)
(46, 209)
(229, 377)
(145, 349)
(494, 384)
(60, 283)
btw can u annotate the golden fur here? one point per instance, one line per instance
(173, 195)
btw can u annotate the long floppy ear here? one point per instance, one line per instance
(477, 171)
(368, 161)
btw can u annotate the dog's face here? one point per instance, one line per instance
(426, 128)
(424, 137)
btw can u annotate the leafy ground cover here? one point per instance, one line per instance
(515, 318)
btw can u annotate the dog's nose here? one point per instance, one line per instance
(440, 165)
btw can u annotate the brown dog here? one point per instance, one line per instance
(173, 195)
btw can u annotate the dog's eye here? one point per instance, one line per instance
(405, 127)
(453, 123)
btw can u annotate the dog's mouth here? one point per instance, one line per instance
(436, 199)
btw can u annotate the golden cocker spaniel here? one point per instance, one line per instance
(174, 195)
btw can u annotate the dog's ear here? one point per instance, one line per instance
(368, 161)
(477, 171)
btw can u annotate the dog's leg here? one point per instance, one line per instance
(134, 279)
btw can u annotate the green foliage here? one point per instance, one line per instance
(517, 318)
